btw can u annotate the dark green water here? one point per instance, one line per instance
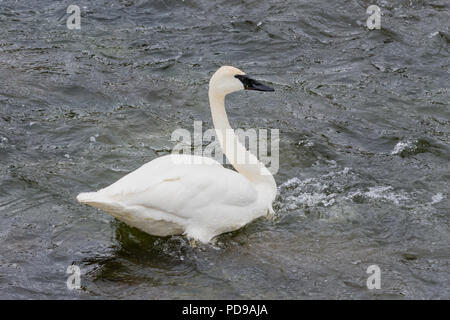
(364, 145)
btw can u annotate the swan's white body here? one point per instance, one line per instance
(193, 195)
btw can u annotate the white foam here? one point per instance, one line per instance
(333, 193)
(433, 34)
(399, 147)
(380, 193)
(408, 145)
(438, 197)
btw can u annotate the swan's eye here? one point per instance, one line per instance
(251, 84)
(245, 80)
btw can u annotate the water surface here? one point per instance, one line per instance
(364, 145)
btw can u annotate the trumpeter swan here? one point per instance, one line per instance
(193, 195)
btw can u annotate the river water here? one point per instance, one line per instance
(363, 119)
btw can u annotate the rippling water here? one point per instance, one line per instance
(364, 145)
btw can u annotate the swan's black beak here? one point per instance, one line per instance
(250, 84)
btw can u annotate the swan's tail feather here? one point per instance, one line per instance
(148, 220)
(88, 197)
(98, 200)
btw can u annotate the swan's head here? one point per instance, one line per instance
(229, 79)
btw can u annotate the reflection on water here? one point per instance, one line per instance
(363, 120)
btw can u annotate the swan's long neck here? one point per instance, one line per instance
(251, 167)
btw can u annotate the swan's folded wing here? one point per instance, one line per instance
(153, 173)
(181, 189)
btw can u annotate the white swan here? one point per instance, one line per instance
(193, 195)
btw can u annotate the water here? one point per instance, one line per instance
(364, 145)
